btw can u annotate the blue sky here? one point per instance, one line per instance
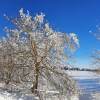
(79, 16)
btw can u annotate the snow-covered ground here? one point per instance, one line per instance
(4, 95)
(87, 81)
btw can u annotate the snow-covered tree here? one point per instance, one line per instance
(96, 52)
(40, 53)
(7, 56)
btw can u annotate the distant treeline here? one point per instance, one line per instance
(80, 69)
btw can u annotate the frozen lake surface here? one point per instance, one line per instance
(88, 83)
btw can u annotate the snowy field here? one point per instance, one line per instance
(88, 83)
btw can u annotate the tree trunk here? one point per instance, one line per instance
(8, 78)
(35, 83)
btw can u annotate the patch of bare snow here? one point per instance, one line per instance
(4, 95)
